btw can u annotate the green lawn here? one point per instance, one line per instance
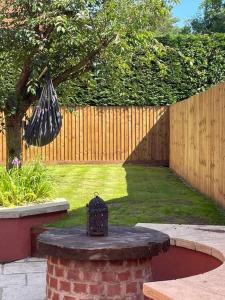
(134, 194)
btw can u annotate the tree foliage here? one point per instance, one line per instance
(210, 19)
(156, 71)
(68, 35)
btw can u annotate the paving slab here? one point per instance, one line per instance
(24, 267)
(36, 279)
(12, 279)
(23, 279)
(25, 293)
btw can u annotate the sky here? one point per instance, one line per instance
(186, 10)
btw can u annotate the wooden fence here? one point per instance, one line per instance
(197, 141)
(107, 134)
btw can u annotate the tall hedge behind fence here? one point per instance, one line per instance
(107, 134)
(197, 141)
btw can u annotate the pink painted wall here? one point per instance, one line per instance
(180, 262)
(15, 235)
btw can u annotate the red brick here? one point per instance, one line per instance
(65, 286)
(47, 278)
(88, 275)
(65, 262)
(132, 263)
(74, 275)
(143, 261)
(140, 284)
(49, 293)
(80, 288)
(117, 263)
(83, 264)
(114, 290)
(131, 287)
(96, 289)
(108, 277)
(59, 272)
(87, 280)
(54, 260)
(132, 298)
(99, 265)
(55, 297)
(69, 298)
(53, 282)
(139, 274)
(49, 262)
(51, 269)
(124, 276)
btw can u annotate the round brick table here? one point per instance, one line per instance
(115, 267)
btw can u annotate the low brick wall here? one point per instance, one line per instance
(209, 240)
(97, 280)
(16, 224)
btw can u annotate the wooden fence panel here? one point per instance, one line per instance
(197, 141)
(107, 134)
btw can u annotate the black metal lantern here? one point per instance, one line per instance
(97, 217)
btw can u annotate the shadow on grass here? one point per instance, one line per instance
(154, 193)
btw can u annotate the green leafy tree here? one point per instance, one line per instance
(68, 35)
(156, 71)
(211, 18)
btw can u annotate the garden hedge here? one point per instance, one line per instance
(169, 69)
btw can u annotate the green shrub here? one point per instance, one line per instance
(31, 183)
(174, 68)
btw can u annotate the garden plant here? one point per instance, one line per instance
(31, 183)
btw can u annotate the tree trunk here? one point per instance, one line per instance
(13, 139)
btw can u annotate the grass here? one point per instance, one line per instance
(134, 194)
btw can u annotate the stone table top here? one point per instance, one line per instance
(122, 243)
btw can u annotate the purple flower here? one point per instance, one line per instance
(16, 162)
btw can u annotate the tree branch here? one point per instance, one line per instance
(27, 68)
(24, 77)
(83, 65)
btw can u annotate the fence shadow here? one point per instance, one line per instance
(155, 143)
(137, 180)
(153, 150)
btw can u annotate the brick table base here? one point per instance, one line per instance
(97, 280)
(113, 267)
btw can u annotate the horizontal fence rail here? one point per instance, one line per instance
(197, 141)
(106, 134)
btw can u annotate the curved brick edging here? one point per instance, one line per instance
(98, 280)
(207, 286)
(16, 224)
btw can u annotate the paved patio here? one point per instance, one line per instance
(23, 280)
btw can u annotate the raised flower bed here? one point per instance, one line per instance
(16, 224)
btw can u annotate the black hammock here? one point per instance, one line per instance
(46, 120)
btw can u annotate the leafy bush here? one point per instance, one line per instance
(155, 72)
(31, 183)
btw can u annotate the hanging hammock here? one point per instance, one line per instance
(46, 120)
